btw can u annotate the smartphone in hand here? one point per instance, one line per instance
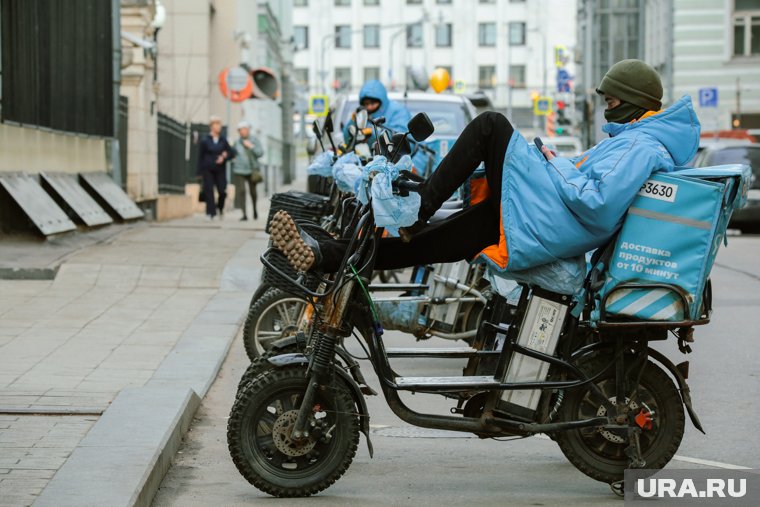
(540, 145)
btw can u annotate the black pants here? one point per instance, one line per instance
(464, 234)
(216, 177)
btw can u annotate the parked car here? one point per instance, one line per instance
(725, 151)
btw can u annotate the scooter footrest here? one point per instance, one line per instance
(452, 352)
(444, 383)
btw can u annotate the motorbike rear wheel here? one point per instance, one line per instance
(599, 453)
(273, 316)
(260, 427)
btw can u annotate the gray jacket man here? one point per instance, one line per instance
(246, 168)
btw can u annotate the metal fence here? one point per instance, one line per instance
(173, 163)
(57, 64)
(123, 137)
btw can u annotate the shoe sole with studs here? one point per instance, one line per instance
(286, 238)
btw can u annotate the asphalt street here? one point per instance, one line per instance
(422, 467)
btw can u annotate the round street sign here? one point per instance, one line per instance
(236, 84)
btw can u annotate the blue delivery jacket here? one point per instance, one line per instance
(562, 208)
(396, 115)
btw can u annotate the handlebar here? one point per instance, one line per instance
(408, 186)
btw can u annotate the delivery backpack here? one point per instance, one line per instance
(667, 245)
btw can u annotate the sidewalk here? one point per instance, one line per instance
(102, 367)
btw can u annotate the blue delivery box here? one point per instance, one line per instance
(668, 243)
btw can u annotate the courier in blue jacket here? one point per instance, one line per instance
(535, 208)
(374, 98)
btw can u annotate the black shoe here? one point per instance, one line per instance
(244, 218)
(302, 250)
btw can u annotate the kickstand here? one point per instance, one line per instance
(633, 451)
(618, 488)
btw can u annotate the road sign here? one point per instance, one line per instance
(542, 106)
(459, 86)
(236, 84)
(318, 105)
(563, 81)
(708, 97)
(560, 56)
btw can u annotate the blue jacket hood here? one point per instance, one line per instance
(376, 90)
(676, 128)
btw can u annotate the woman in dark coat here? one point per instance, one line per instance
(213, 152)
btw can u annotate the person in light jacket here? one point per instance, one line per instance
(213, 152)
(536, 207)
(245, 168)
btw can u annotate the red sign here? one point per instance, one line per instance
(235, 84)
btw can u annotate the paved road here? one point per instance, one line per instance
(456, 469)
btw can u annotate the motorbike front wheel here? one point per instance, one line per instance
(599, 453)
(259, 434)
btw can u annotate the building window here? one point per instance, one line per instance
(301, 77)
(488, 1)
(371, 36)
(343, 36)
(342, 78)
(486, 77)
(371, 73)
(413, 2)
(517, 76)
(301, 36)
(446, 2)
(746, 28)
(301, 3)
(443, 35)
(371, 2)
(517, 33)
(517, 1)
(340, 3)
(486, 34)
(414, 35)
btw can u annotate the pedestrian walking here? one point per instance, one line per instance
(213, 152)
(245, 168)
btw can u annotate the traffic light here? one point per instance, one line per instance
(550, 124)
(563, 121)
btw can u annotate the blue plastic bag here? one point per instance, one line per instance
(390, 210)
(321, 165)
(346, 171)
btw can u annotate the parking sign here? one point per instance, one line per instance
(708, 97)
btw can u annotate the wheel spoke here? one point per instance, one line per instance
(284, 315)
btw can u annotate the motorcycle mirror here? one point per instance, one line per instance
(328, 126)
(315, 129)
(420, 127)
(361, 118)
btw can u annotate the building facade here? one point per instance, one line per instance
(717, 47)
(614, 30)
(503, 47)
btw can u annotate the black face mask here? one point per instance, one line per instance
(624, 113)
